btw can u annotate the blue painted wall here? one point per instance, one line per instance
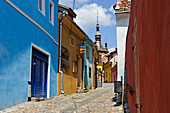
(88, 82)
(16, 35)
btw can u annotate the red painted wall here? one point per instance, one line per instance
(153, 34)
(114, 73)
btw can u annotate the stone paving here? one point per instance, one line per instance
(94, 101)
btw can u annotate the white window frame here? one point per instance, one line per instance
(43, 7)
(52, 12)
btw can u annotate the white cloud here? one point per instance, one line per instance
(69, 3)
(87, 16)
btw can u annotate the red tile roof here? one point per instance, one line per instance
(122, 5)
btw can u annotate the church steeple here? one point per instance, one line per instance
(98, 43)
(97, 35)
(97, 27)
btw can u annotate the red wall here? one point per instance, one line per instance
(153, 34)
(114, 73)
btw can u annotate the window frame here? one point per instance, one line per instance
(43, 6)
(87, 52)
(51, 12)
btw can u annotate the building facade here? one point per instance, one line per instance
(28, 50)
(113, 59)
(107, 72)
(88, 64)
(147, 57)
(110, 67)
(96, 60)
(122, 12)
(71, 58)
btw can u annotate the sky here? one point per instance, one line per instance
(86, 11)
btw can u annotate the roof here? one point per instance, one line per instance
(104, 58)
(100, 48)
(89, 40)
(97, 33)
(107, 64)
(67, 9)
(71, 23)
(122, 5)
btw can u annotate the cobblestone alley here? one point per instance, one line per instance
(94, 101)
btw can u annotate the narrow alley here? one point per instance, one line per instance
(84, 56)
(94, 101)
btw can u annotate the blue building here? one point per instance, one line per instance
(88, 64)
(28, 50)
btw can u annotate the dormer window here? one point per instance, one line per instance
(41, 6)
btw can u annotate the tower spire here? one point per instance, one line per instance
(97, 18)
(97, 27)
(97, 35)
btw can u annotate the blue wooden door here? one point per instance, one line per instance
(39, 70)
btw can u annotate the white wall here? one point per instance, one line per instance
(122, 22)
(114, 60)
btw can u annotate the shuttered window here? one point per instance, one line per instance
(39, 70)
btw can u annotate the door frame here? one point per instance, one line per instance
(48, 71)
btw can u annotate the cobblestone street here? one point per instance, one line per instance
(94, 101)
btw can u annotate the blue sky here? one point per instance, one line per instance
(86, 11)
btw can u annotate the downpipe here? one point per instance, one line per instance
(62, 91)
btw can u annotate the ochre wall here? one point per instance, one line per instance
(69, 84)
(59, 83)
(153, 40)
(107, 69)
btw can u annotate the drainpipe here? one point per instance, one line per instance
(83, 70)
(62, 91)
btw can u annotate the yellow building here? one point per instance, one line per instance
(107, 70)
(71, 63)
(100, 77)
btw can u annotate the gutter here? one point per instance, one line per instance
(62, 91)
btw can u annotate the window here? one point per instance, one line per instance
(87, 49)
(72, 40)
(41, 6)
(74, 67)
(89, 72)
(51, 7)
(65, 58)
